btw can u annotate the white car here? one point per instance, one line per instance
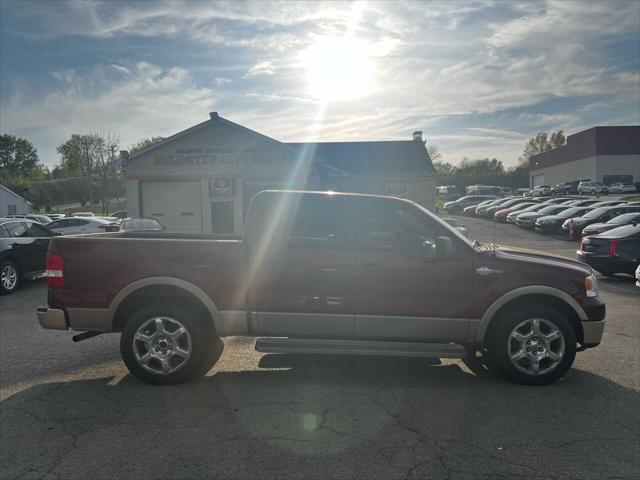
(592, 188)
(622, 188)
(638, 276)
(82, 214)
(79, 225)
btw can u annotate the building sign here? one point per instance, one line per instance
(220, 187)
(221, 156)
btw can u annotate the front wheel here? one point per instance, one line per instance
(165, 344)
(9, 277)
(535, 346)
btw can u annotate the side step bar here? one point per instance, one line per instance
(359, 347)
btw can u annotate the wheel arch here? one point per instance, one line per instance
(130, 297)
(532, 295)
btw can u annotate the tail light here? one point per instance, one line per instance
(55, 270)
(613, 248)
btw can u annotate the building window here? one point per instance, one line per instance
(11, 210)
(222, 217)
(220, 187)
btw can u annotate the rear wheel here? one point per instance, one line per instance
(9, 277)
(166, 344)
(535, 346)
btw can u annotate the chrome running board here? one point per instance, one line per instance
(359, 347)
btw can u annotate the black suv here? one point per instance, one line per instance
(23, 250)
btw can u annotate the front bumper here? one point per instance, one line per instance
(592, 333)
(547, 227)
(52, 318)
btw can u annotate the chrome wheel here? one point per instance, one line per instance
(162, 345)
(536, 346)
(9, 277)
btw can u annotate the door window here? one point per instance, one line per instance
(319, 218)
(17, 229)
(396, 226)
(37, 231)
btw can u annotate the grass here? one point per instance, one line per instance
(631, 198)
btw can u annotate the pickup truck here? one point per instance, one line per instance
(324, 272)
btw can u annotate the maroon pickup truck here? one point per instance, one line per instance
(321, 272)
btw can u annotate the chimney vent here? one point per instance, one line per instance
(213, 115)
(417, 136)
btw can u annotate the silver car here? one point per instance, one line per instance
(79, 225)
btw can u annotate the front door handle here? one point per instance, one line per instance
(484, 271)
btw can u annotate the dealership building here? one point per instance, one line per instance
(604, 154)
(201, 180)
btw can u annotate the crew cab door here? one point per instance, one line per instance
(305, 280)
(407, 287)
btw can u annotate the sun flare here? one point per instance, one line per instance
(338, 69)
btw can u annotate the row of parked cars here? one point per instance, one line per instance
(24, 241)
(609, 231)
(584, 187)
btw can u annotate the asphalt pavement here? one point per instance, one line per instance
(71, 411)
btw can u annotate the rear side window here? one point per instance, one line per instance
(3, 232)
(17, 229)
(319, 218)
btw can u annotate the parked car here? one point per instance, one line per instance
(491, 210)
(457, 225)
(528, 220)
(481, 211)
(622, 188)
(540, 191)
(79, 225)
(501, 215)
(511, 217)
(553, 223)
(136, 224)
(615, 222)
(592, 188)
(458, 205)
(448, 192)
(81, 214)
(120, 214)
(609, 203)
(638, 276)
(565, 188)
(55, 216)
(42, 219)
(614, 251)
(484, 190)
(596, 215)
(471, 210)
(23, 248)
(327, 274)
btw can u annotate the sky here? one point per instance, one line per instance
(479, 78)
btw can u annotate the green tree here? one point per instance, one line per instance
(18, 158)
(78, 155)
(144, 143)
(543, 142)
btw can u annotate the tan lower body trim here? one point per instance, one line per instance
(90, 319)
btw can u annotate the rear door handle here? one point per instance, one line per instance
(372, 268)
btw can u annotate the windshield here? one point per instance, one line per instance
(596, 212)
(625, 218)
(552, 209)
(448, 227)
(572, 212)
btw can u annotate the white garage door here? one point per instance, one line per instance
(177, 205)
(537, 180)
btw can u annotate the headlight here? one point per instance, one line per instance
(591, 285)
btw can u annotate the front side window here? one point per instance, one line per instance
(397, 226)
(319, 218)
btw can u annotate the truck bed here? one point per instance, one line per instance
(98, 266)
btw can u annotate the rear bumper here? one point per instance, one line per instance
(606, 263)
(592, 333)
(52, 318)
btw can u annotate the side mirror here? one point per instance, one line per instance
(445, 248)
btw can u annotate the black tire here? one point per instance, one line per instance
(206, 347)
(498, 338)
(10, 265)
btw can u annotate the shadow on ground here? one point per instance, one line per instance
(322, 417)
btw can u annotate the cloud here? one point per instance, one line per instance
(261, 68)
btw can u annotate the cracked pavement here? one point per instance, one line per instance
(71, 411)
